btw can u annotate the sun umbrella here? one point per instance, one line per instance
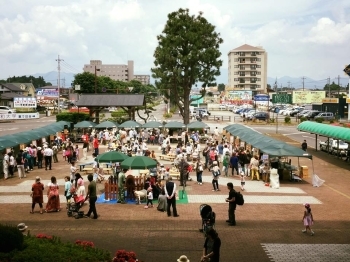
(138, 162)
(106, 124)
(175, 124)
(85, 124)
(152, 124)
(130, 124)
(197, 124)
(111, 156)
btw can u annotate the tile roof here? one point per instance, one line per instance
(246, 47)
(106, 100)
(9, 96)
(12, 87)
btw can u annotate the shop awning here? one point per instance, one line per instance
(336, 132)
(266, 144)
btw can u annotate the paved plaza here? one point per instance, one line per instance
(268, 225)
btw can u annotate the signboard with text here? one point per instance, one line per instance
(48, 93)
(19, 116)
(24, 102)
(240, 95)
(282, 98)
(308, 97)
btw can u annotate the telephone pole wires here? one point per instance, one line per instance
(59, 82)
(303, 78)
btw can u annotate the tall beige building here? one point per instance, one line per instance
(116, 72)
(247, 68)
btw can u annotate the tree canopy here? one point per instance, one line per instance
(36, 81)
(187, 53)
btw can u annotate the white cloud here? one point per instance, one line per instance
(296, 34)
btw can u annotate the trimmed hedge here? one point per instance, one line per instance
(10, 239)
(74, 117)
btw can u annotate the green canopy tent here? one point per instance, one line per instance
(266, 144)
(138, 162)
(153, 124)
(111, 157)
(197, 125)
(107, 124)
(85, 124)
(130, 124)
(175, 124)
(5, 142)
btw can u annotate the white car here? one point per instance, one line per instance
(7, 110)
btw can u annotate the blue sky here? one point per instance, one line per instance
(301, 37)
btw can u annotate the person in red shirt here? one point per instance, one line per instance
(95, 145)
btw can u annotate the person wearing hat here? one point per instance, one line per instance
(22, 227)
(40, 157)
(183, 258)
(37, 195)
(308, 219)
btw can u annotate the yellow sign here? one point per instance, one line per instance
(348, 100)
(330, 100)
(308, 97)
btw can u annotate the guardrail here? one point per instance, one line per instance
(218, 118)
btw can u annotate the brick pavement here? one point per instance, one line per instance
(155, 237)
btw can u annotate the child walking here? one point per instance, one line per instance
(149, 198)
(67, 189)
(308, 219)
(242, 180)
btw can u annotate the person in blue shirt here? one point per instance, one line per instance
(220, 152)
(234, 163)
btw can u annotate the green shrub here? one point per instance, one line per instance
(287, 120)
(10, 239)
(74, 117)
(271, 120)
(44, 248)
(167, 115)
(119, 113)
(302, 119)
(319, 119)
(331, 121)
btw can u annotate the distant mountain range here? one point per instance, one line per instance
(285, 81)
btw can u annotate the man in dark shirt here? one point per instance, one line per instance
(232, 205)
(91, 194)
(170, 190)
(304, 145)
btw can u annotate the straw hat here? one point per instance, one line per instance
(183, 258)
(22, 227)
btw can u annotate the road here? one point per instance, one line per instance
(22, 125)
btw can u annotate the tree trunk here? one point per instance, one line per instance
(186, 112)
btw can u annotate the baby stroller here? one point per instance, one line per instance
(73, 208)
(208, 218)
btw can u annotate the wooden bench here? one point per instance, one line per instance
(88, 170)
(167, 157)
(175, 175)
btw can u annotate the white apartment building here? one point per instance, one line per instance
(247, 69)
(116, 72)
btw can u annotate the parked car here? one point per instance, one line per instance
(7, 110)
(311, 115)
(222, 107)
(333, 147)
(326, 116)
(261, 116)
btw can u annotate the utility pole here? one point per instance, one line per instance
(59, 82)
(303, 78)
(338, 85)
(329, 87)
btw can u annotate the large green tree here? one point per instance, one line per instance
(187, 53)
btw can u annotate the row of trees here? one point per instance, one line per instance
(36, 81)
(89, 83)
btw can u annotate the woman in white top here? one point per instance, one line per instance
(73, 170)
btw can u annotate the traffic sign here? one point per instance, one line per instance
(347, 70)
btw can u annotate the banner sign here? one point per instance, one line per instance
(282, 98)
(46, 101)
(48, 93)
(261, 97)
(240, 95)
(19, 116)
(308, 97)
(24, 102)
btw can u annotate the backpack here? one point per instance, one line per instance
(239, 199)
